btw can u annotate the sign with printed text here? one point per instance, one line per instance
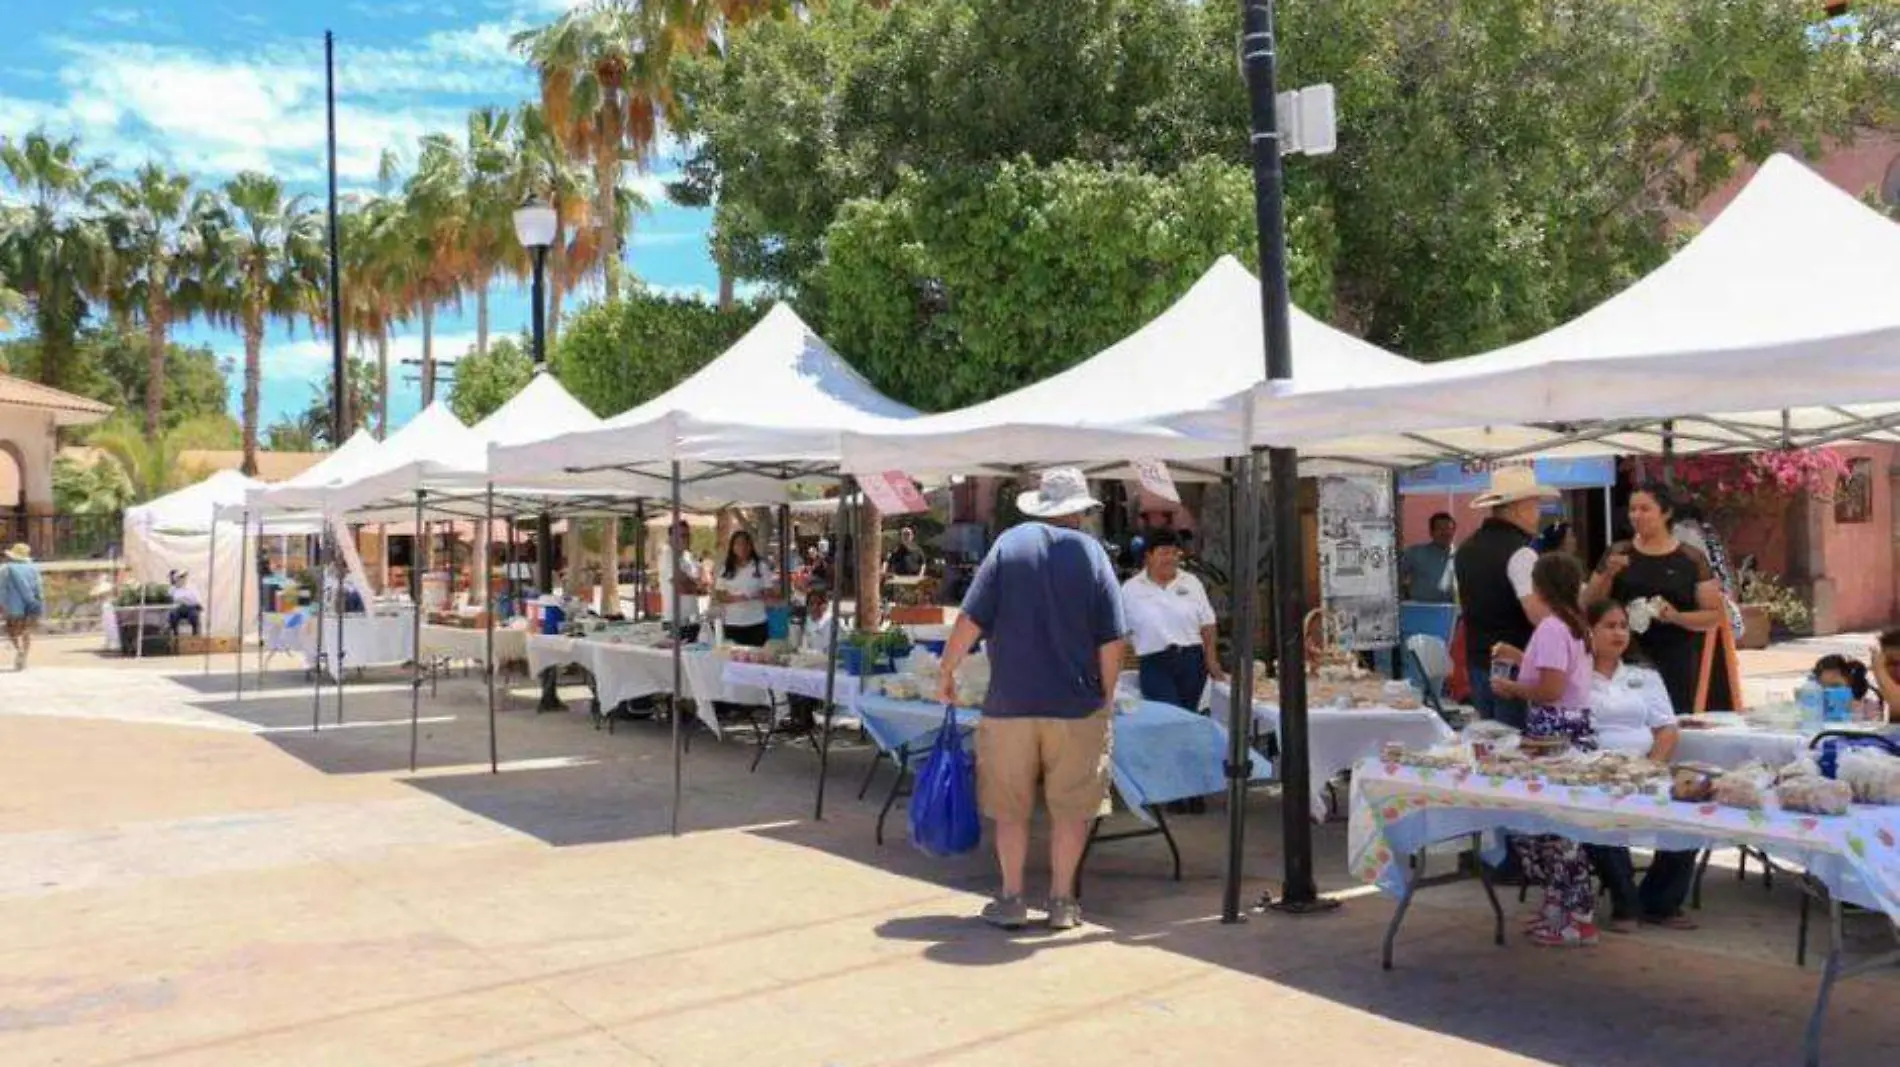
(893, 493)
(1154, 477)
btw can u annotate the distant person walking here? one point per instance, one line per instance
(22, 601)
(1046, 602)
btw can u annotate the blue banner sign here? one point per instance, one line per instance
(1593, 472)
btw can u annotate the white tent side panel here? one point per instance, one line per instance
(151, 555)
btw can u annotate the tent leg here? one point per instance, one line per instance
(415, 653)
(847, 520)
(342, 611)
(488, 611)
(211, 590)
(323, 606)
(244, 555)
(640, 560)
(1243, 555)
(678, 652)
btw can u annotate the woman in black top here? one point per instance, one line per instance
(1687, 595)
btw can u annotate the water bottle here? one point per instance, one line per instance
(1837, 704)
(1812, 701)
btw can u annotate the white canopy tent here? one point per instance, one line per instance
(770, 410)
(1781, 312)
(1174, 390)
(300, 497)
(174, 533)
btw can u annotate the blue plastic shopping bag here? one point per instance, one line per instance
(943, 814)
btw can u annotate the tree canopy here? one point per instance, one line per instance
(485, 381)
(1503, 164)
(617, 354)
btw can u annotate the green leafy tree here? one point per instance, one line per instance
(484, 382)
(954, 289)
(676, 336)
(53, 250)
(298, 434)
(155, 467)
(90, 487)
(111, 365)
(364, 383)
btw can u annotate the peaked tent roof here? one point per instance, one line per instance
(1785, 301)
(1174, 389)
(434, 441)
(779, 396)
(190, 509)
(304, 491)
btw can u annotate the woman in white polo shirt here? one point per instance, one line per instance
(1172, 626)
(742, 588)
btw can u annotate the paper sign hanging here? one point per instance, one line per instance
(893, 493)
(1155, 478)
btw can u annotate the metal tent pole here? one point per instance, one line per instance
(544, 581)
(640, 560)
(211, 589)
(316, 691)
(342, 616)
(488, 610)
(1244, 553)
(848, 512)
(1258, 47)
(678, 642)
(139, 651)
(244, 584)
(513, 556)
(415, 652)
(785, 553)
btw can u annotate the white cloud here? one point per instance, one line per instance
(308, 358)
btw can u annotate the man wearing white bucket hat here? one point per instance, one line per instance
(1046, 601)
(1493, 567)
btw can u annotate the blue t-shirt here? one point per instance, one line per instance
(1047, 601)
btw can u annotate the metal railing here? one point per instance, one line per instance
(62, 537)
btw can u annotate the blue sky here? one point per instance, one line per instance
(219, 86)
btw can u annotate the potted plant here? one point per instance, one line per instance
(142, 611)
(1769, 609)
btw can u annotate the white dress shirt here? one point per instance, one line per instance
(1628, 708)
(688, 568)
(1163, 616)
(817, 636)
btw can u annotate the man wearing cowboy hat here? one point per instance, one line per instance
(21, 600)
(1494, 582)
(1046, 601)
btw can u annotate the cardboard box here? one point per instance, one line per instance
(198, 646)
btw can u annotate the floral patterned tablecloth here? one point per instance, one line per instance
(1397, 810)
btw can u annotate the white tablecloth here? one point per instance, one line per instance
(1732, 746)
(367, 640)
(623, 672)
(796, 681)
(472, 645)
(1337, 738)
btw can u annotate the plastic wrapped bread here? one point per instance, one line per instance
(1739, 791)
(1817, 796)
(1874, 777)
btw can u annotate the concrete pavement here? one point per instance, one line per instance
(186, 878)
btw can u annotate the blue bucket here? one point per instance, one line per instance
(778, 623)
(552, 619)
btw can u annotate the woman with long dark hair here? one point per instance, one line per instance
(1681, 588)
(1553, 677)
(1631, 712)
(742, 588)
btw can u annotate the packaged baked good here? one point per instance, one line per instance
(1693, 781)
(1817, 796)
(1873, 776)
(1738, 791)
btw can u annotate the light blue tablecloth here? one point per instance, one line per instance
(1161, 753)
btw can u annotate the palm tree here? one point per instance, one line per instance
(487, 167)
(157, 229)
(11, 305)
(539, 166)
(375, 262)
(603, 92)
(435, 252)
(264, 257)
(52, 248)
(153, 465)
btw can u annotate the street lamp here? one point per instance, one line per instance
(534, 228)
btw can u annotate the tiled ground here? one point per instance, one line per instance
(188, 878)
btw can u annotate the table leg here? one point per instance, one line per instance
(869, 775)
(1414, 882)
(1398, 916)
(765, 731)
(902, 758)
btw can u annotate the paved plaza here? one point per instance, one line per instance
(190, 878)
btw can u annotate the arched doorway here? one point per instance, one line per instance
(12, 494)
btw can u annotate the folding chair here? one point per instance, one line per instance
(1431, 662)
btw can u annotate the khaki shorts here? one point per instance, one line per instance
(1068, 756)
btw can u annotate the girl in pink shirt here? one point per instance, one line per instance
(1553, 677)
